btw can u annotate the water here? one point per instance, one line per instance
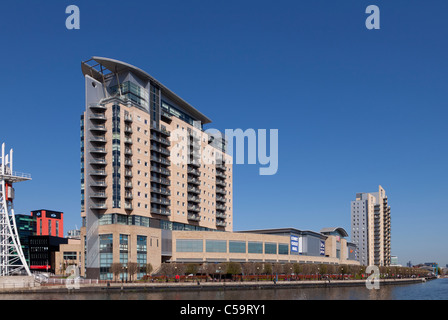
(431, 290)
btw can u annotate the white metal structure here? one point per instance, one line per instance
(12, 259)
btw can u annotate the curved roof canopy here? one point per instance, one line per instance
(99, 72)
(339, 230)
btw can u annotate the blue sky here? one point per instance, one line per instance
(355, 108)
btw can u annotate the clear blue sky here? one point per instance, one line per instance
(354, 108)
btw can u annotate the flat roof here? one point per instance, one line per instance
(284, 230)
(116, 66)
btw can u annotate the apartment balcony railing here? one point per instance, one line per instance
(164, 141)
(220, 183)
(101, 195)
(161, 150)
(98, 150)
(97, 116)
(98, 161)
(97, 106)
(99, 183)
(128, 140)
(98, 128)
(98, 139)
(220, 191)
(163, 191)
(98, 173)
(193, 217)
(162, 201)
(193, 180)
(220, 207)
(221, 175)
(160, 170)
(221, 215)
(128, 195)
(161, 180)
(128, 206)
(98, 206)
(194, 171)
(128, 118)
(193, 189)
(128, 162)
(164, 212)
(220, 199)
(161, 160)
(193, 198)
(192, 207)
(221, 223)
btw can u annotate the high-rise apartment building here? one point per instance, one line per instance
(147, 167)
(370, 220)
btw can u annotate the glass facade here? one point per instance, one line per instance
(142, 255)
(133, 92)
(189, 245)
(216, 246)
(283, 248)
(237, 246)
(106, 256)
(255, 247)
(116, 155)
(170, 109)
(270, 248)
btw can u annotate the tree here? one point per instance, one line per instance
(133, 268)
(233, 268)
(149, 269)
(116, 269)
(248, 268)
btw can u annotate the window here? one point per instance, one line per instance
(189, 245)
(270, 248)
(216, 246)
(283, 248)
(255, 247)
(237, 246)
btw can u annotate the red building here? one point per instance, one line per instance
(49, 223)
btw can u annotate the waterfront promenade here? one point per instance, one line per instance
(94, 286)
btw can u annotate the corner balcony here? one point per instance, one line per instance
(192, 207)
(98, 206)
(101, 128)
(98, 173)
(98, 150)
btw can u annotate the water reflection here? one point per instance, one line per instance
(436, 289)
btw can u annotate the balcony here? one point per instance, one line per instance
(128, 206)
(161, 140)
(161, 170)
(98, 116)
(98, 206)
(128, 129)
(128, 173)
(128, 184)
(161, 150)
(221, 223)
(128, 118)
(220, 191)
(98, 139)
(98, 173)
(194, 217)
(100, 195)
(97, 106)
(162, 191)
(193, 189)
(193, 198)
(167, 117)
(127, 140)
(98, 161)
(220, 199)
(128, 151)
(194, 171)
(128, 195)
(220, 183)
(195, 208)
(220, 207)
(221, 215)
(163, 212)
(128, 163)
(162, 130)
(98, 150)
(161, 160)
(161, 201)
(221, 175)
(192, 180)
(98, 128)
(98, 183)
